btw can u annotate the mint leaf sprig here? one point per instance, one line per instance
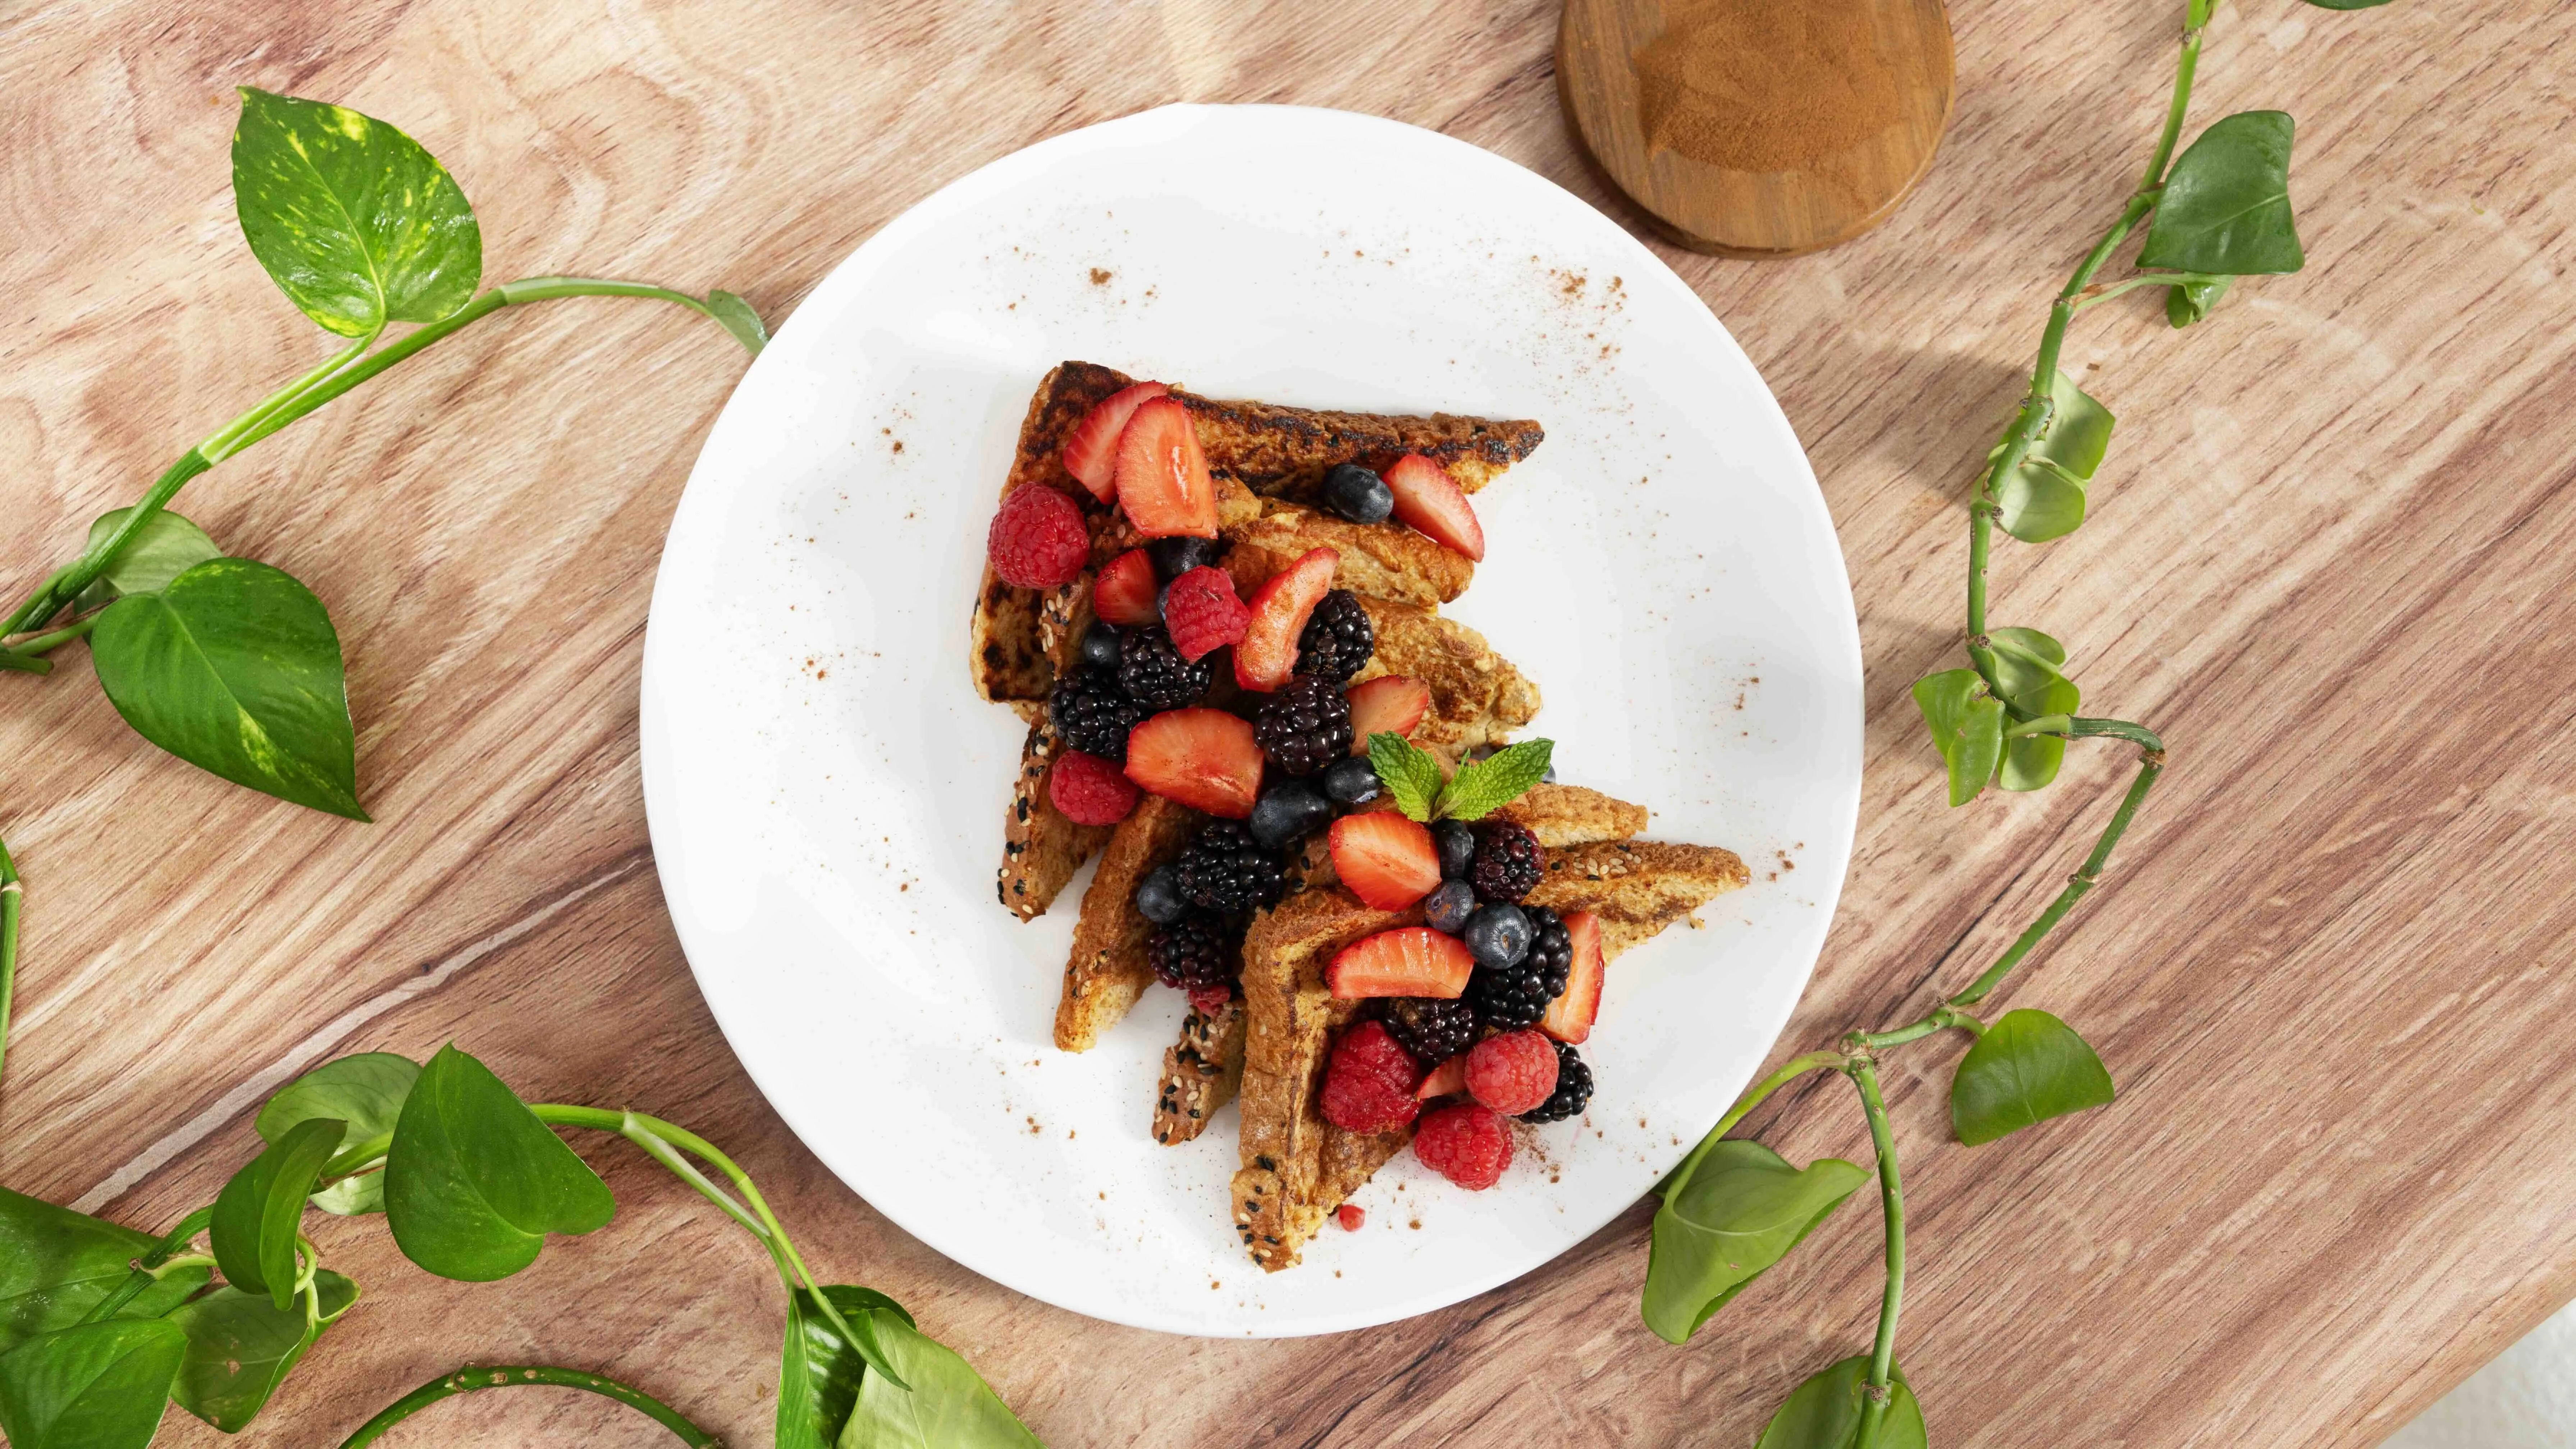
(1413, 778)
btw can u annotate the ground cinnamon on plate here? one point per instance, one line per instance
(1764, 85)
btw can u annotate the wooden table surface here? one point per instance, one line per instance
(2329, 559)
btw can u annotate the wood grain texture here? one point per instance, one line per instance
(2328, 559)
(1897, 53)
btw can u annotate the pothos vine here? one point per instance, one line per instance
(234, 666)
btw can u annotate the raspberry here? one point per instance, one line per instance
(1209, 1000)
(1512, 1073)
(1038, 539)
(1507, 861)
(1466, 1144)
(1352, 1219)
(1089, 790)
(1369, 1085)
(1201, 610)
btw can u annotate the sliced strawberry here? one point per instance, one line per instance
(1386, 860)
(1091, 449)
(1390, 703)
(1407, 961)
(1446, 1080)
(1124, 592)
(1267, 653)
(1570, 1016)
(1163, 482)
(1203, 758)
(1427, 500)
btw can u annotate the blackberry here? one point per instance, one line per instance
(1155, 675)
(1507, 861)
(1196, 950)
(1093, 714)
(1226, 870)
(1573, 1089)
(1508, 998)
(1305, 726)
(1338, 640)
(1431, 1029)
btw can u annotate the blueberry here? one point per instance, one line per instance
(1358, 494)
(1287, 813)
(1352, 782)
(1178, 555)
(1497, 936)
(1158, 897)
(1100, 645)
(1457, 844)
(1450, 907)
(1548, 778)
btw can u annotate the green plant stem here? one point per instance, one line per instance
(30, 648)
(1891, 1198)
(2151, 763)
(144, 1271)
(1939, 1020)
(468, 1380)
(12, 892)
(1795, 1068)
(2105, 291)
(345, 370)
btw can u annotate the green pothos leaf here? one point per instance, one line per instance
(259, 1212)
(1967, 725)
(949, 1406)
(474, 1181)
(736, 316)
(819, 1370)
(2028, 1067)
(234, 667)
(2188, 302)
(166, 547)
(2029, 666)
(1824, 1412)
(2226, 202)
(2043, 497)
(95, 1386)
(354, 221)
(56, 1264)
(366, 1091)
(241, 1347)
(1740, 1211)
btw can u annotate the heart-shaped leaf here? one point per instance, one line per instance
(234, 667)
(366, 1091)
(949, 1406)
(166, 547)
(355, 222)
(1967, 727)
(2027, 1068)
(97, 1386)
(1741, 1211)
(259, 1211)
(2226, 203)
(474, 1181)
(819, 1373)
(2188, 302)
(241, 1346)
(2029, 669)
(56, 1264)
(736, 316)
(1824, 1412)
(2043, 496)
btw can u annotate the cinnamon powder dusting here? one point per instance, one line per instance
(1764, 85)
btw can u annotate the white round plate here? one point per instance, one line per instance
(826, 790)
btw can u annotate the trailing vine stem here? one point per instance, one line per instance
(1863, 1070)
(344, 370)
(468, 1380)
(12, 895)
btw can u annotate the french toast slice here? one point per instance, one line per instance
(1201, 1072)
(1041, 849)
(1107, 969)
(1396, 564)
(1296, 1167)
(1477, 696)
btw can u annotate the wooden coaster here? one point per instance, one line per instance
(1758, 128)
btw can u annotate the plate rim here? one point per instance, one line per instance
(997, 176)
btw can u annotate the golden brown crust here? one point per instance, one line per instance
(1041, 849)
(1008, 658)
(1477, 696)
(1381, 562)
(1636, 887)
(1284, 452)
(1563, 815)
(1201, 1072)
(1107, 969)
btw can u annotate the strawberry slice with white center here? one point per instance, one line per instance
(1091, 449)
(1162, 477)
(1388, 704)
(1124, 592)
(1407, 961)
(1570, 1016)
(1203, 758)
(1385, 859)
(1266, 655)
(1426, 499)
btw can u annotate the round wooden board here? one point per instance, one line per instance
(1747, 213)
